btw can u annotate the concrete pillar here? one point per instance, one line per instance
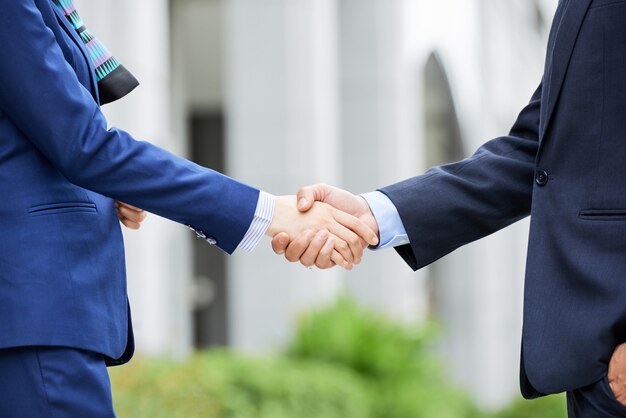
(281, 84)
(158, 257)
(379, 138)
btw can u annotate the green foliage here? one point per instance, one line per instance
(344, 362)
(396, 362)
(346, 334)
(222, 385)
(548, 407)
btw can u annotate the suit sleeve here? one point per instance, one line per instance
(41, 95)
(455, 204)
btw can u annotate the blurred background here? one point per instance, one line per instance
(356, 93)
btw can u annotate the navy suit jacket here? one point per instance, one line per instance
(564, 164)
(62, 273)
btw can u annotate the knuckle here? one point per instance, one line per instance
(323, 266)
(323, 259)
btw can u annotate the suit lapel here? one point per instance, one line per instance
(559, 54)
(79, 43)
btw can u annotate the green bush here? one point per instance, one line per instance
(350, 336)
(395, 361)
(223, 385)
(344, 362)
(548, 407)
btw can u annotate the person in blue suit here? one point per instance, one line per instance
(563, 163)
(64, 312)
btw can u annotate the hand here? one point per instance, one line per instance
(320, 224)
(304, 248)
(130, 216)
(617, 374)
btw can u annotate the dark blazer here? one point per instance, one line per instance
(564, 164)
(62, 273)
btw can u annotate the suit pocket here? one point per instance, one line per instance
(65, 207)
(603, 214)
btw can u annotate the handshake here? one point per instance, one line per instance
(322, 226)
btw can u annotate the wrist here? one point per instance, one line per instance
(281, 204)
(367, 216)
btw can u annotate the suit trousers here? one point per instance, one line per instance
(594, 401)
(54, 382)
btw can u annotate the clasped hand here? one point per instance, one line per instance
(322, 226)
(330, 227)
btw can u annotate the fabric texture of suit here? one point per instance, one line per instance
(62, 271)
(54, 382)
(562, 164)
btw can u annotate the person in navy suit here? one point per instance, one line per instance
(63, 304)
(563, 163)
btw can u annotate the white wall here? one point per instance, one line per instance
(282, 133)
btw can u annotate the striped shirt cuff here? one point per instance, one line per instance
(261, 221)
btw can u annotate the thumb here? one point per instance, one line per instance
(280, 243)
(308, 195)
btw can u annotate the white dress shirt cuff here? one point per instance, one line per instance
(261, 221)
(390, 227)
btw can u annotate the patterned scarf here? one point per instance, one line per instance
(114, 81)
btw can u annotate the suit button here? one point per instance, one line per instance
(541, 177)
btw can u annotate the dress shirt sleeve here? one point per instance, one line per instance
(391, 229)
(262, 219)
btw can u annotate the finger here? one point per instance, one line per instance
(357, 226)
(308, 195)
(337, 259)
(131, 207)
(131, 214)
(130, 224)
(280, 243)
(298, 246)
(311, 253)
(352, 243)
(328, 257)
(342, 247)
(323, 260)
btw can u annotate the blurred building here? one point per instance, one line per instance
(357, 93)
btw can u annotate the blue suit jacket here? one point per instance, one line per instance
(563, 163)
(62, 274)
